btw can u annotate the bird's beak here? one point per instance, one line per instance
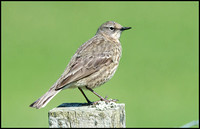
(125, 28)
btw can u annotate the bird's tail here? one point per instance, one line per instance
(42, 101)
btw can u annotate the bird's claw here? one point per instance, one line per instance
(106, 100)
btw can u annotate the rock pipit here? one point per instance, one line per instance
(93, 64)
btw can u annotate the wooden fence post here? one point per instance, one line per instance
(74, 115)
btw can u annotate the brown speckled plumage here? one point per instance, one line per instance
(93, 64)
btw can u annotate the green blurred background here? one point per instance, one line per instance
(157, 77)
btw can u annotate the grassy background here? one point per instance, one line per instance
(157, 77)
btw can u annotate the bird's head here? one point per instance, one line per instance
(111, 29)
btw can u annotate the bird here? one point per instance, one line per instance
(93, 64)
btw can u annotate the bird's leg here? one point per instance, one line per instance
(89, 102)
(101, 98)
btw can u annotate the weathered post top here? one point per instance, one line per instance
(74, 115)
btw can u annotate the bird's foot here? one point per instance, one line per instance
(106, 100)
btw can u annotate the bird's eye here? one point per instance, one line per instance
(111, 28)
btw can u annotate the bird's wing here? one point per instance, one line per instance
(83, 67)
